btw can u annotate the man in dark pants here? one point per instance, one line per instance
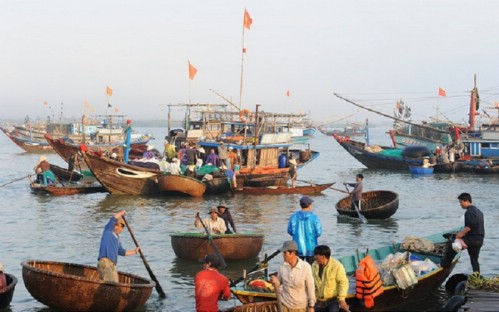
(472, 234)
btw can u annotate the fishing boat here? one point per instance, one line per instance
(383, 157)
(65, 174)
(417, 170)
(75, 287)
(120, 178)
(66, 189)
(392, 296)
(67, 150)
(7, 293)
(27, 144)
(238, 246)
(374, 205)
(279, 190)
(180, 184)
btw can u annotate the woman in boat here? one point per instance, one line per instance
(357, 191)
(110, 248)
(43, 173)
(230, 174)
(224, 213)
(214, 224)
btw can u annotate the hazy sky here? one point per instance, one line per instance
(370, 51)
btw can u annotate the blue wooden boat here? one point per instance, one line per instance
(420, 170)
(392, 297)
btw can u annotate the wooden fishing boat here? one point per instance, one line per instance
(218, 185)
(121, 178)
(180, 184)
(279, 190)
(485, 170)
(29, 145)
(69, 189)
(76, 287)
(7, 293)
(65, 174)
(238, 246)
(66, 150)
(451, 167)
(279, 178)
(374, 205)
(392, 296)
(420, 170)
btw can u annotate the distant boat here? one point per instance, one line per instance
(352, 129)
(374, 205)
(279, 190)
(420, 170)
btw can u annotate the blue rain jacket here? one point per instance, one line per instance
(305, 228)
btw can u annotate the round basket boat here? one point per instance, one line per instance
(374, 205)
(7, 293)
(75, 287)
(238, 246)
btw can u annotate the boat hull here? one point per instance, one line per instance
(374, 205)
(217, 186)
(279, 190)
(180, 184)
(29, 146)
(66, 190)
(75, 287)
(7, 293)
(120, 178)
(194, 246)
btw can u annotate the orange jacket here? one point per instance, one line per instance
(368, 283)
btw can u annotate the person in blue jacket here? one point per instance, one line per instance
(110, 248)
(304, 226)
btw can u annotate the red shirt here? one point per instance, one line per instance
(209, 285)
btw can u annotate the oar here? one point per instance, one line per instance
(14, 180)
(361, 217)
(256, 267)
(278, 297)
(224, 265)
(151, 274)
(342, 191)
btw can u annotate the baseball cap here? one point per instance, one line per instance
(289, 245)
(306, 201)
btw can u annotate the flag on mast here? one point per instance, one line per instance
(441, 92)
(192, 71)
(247, 21)
(109, 91)
(288, 93)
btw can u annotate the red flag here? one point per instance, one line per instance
(45, 103)
(247, 21)
(244, 50)
(109, 91)
(288, 93)
(192, 71)
(441, 92)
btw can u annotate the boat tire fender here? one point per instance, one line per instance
(455, 303)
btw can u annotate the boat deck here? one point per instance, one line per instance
(480, 300)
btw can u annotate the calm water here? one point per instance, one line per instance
(68, 228)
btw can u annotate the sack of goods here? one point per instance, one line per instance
(405, 276)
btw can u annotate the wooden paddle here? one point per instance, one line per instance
(151, 274)
(361, 217)
(210, 238)
(257, 267)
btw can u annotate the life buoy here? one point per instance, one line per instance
(244, 114)
(368, 283)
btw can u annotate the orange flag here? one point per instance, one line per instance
(441, 92)
(87, 105)
(109, 91)
(247, 21)
(192, 71)
(288, 93)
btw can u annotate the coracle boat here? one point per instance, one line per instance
(428, 274)
(121, 178)
(76, 287)
(374, 205)
(264, 306)
(417, 170)
(238, 246)
(279, 190)
(7, 293)
(180, 184)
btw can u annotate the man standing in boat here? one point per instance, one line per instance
(472, 234)
(304, 226)
(222, 153)
(210, 285)
(224, 213)
(214, 223)
(356, 192)
(110, 248)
